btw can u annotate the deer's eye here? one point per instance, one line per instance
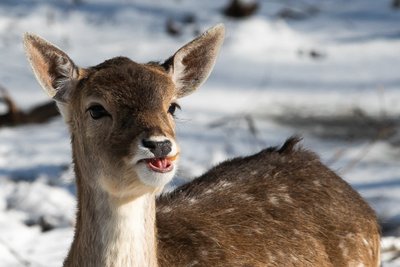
(97, 112)
(172, 108)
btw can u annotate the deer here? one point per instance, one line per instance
(279, 207)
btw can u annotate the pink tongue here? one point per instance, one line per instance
(160, 163)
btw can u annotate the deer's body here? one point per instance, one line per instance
(277, 208)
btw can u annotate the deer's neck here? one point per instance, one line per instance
(111, 233)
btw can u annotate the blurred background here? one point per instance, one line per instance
(328, 70)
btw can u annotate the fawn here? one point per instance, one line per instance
(280, 207)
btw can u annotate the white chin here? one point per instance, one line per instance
(153, 178)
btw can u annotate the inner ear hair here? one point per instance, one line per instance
(191, 65)
(54, 70)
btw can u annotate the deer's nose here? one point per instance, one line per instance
(160, 149)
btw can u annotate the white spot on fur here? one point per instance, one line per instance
(193, 263)
(317, 183)
(192, 200)
(215, 241)
(343, 248)
(224, 184)
(282, 188)
(286, 197)
(202, 233)
(166, 210)
(340, 191)
(349, 236)
(258, 230)
(273, 200)
(271, 258)
(209, 191)
(247, 197)
(253, 173)
(165, 236)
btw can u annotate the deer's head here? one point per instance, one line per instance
(121, 113)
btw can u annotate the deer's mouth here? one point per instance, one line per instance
(162, 165)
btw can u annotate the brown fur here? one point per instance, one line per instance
(280, 207)
(276, 208)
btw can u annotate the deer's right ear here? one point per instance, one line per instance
(54, 70)
(191, 65)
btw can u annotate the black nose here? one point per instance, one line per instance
(160, 149)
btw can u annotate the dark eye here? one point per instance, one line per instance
(172, 108)
(97, 112)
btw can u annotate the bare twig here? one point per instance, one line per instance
(251, 125)
(359, 158)
(336, 156)
(384, 132)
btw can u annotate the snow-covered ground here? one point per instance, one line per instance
(343, 59)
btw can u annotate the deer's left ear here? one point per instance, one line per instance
(54, 70)
(191, 65)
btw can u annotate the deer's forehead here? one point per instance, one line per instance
(131, 84)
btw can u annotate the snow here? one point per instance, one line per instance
(264, 71)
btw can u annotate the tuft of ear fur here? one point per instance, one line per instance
(54, 70)
(191, 65)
